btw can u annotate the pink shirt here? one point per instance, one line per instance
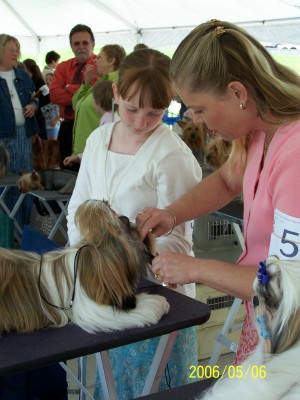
(275, 186)
(278, 187)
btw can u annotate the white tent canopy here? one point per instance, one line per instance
(43, 25)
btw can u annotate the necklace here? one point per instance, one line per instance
(9, 77)
(267, 144)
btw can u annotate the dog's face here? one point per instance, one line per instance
(279, 301)
(217, 151)
(194, 135)
(121, 256)
(29, 181)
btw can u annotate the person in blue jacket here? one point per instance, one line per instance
(17, 118)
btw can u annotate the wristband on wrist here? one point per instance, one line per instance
(174, 220)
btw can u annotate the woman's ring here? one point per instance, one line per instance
(158, 277)
(140, 213)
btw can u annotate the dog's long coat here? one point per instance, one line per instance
(92, 284)
(279, 379)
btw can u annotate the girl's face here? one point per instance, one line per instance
(221, 114)
(138, 120)
(48, 79)
(104, 65)
(10, 55)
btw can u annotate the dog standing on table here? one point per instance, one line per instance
(92, 284)
(273, 369)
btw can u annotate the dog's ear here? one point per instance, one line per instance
(35, 176)
(182, 124)
(149, 242)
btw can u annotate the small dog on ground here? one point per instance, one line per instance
(194, 136)
(217, 151)
(92, 284)
(4, 161)
(272, 372)
(53, 179)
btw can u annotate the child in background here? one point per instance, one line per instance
(51, 113)
(104, 105)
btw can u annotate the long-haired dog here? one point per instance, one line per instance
(92, 284)
(52, 179)
(4, 161)
(272, 371)
(194, 136)
(217, 151)
(45, 153)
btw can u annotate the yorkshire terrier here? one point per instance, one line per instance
(4, 161)
(194, 136)
(53, 179)
(272, 371)
(45, 153)
(92, 284)
(217, 151)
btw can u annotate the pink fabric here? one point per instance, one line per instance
(277, 187)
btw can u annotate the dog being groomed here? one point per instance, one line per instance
(272, 371)
(92, 284)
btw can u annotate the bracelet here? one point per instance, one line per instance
(174, 220)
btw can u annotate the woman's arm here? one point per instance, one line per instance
(229, 278)
(209, 195)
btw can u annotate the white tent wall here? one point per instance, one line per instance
(43, 25)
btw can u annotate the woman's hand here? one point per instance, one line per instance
(173, 268)
(155, 220)
(29, 110)
(89, 74)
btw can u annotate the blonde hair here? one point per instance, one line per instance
(4, 39)
(216, 53)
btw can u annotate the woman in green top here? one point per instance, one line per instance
(86, 117)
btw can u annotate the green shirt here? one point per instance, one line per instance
(86, 117)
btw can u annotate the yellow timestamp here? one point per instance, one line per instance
(230, 371)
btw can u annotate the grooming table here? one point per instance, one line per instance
(6, 182)
(20, 352)
(45, 196)
(232, 212)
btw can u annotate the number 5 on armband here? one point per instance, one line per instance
(285, 239)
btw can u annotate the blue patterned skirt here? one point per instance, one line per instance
(131, 363)
(19, 148)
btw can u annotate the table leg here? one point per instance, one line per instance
(159, 363)
(106, 376)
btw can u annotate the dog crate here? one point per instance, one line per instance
(215, 238)
(219, 304)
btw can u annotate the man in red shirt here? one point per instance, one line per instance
(67, 79)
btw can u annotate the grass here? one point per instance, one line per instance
(290, 58)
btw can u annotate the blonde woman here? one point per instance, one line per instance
(232, 84)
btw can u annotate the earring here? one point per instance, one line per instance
(242, 106)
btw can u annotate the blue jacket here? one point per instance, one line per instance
(25, 88)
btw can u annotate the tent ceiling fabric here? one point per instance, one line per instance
(42, 25)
